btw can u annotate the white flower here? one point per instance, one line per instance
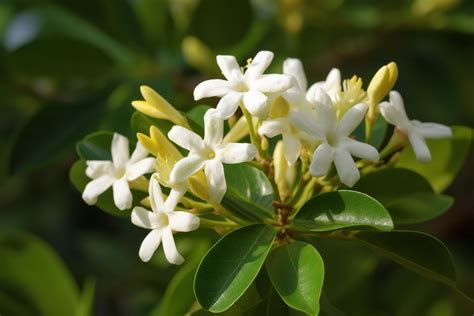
(394, 113)
(251, 88)
(163, 220)
(117, 173)
(336, 145)
(332, 85)
(209, 154)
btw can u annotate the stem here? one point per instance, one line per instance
(254, 138)
(207, 223)
(200, 206)
(219, 210)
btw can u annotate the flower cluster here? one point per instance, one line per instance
(314, 128)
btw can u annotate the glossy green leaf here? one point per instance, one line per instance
(378, 132)
(231, 265)
(141, 123)
(448, 156)
(96, 146)
(51, 132)
(416, 251)
(297, 273)
(196, 114)
(78, 177)
(407, 196)
(32, 272)
(342, 209)
(249, 193)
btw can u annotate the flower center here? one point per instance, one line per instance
(279, 108)
(331, 139)
(119, 172)
(162, 220)
(211, 154)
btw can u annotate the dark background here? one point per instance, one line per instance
(71, 67)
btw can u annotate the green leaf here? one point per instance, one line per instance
(78, 177)
(33, 272)
(141, 123)
(249, 193)
(416, 251)
(86, 301)
(297, 273)
(378, 132)
(448, 156)
(37, 145)
(342, 209)
(407, 196)
(196, 114)
(231, 265)
(96, 146)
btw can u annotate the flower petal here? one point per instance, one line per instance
(156, 195)
(255, 102)
(332, 85)
(150, 244)
(142, 217)
(273, 128)
(237, 152)
(432, 130)
(361, 150)
(212, 88)
(96, 187)
(228, 105)
(323, 156)
(213, 128)
(186, 167)
(259, 64)
(273, 83)
(351, 119)
(140, 168)
(306, 123)
(176, 193)
(422, 152)
(294, 67)
(346, 168)
(230, 68)
(138, 154)
(292, 146)
(169, 247)
(97, 168)
(183, 221)
(215, 179)
(120, 150)
(122, 195)
(185, 138)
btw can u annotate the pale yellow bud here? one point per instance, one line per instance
(280, 166)
(279, 108)
(156, 106)
(380, 85)
(238, 131)
(198, 55)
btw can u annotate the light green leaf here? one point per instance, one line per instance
(249, 193)
(342, 209)
(86, 301)
(32, 271)
(416, 251)
(297, 273)
(231, 265)
(407, 196)
(378, 132)
(196, 114)
(448, 156)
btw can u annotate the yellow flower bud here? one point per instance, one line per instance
(279, 108)
(156, 106)
(166, 157)
(380, 85)
(238, 131)
(282, 171)
(198, 55)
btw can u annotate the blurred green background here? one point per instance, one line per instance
(71, 67)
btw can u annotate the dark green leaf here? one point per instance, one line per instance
(297, 273)
(416, 251)
(51, 132)
(231, 265)
(32, 271)
(378, 132)
(249, 193)
(96, 146)
(448, 156)
(86, 301)
(341, 209)
(78, 177)
(196, 114)
(407, 196)
(141, 123)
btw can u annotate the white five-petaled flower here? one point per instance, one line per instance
(163, 220)
(117, 173)
(252, 87)
(336, 145)
(209, 154)
(394, 113)
(332, 85)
